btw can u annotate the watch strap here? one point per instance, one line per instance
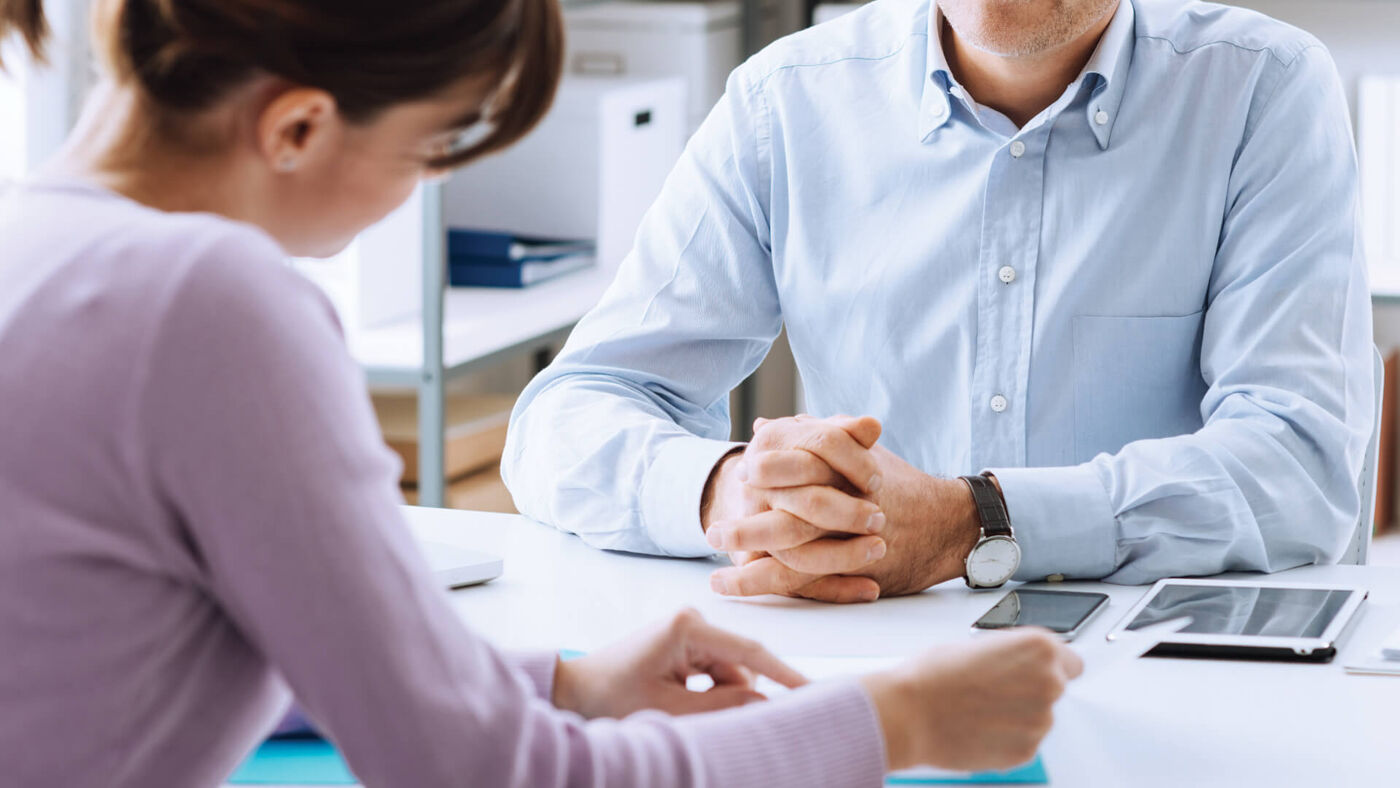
(991, 509)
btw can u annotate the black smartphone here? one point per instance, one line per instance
(1062, 612)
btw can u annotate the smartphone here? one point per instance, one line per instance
(1063, 612)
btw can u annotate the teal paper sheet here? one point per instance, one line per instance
(316, 762)
(1032, 773)
(305, 761)
(300, 761)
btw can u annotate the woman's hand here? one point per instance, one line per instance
(981, 705)
(649, 671)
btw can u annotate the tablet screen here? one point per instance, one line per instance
(1243, 610)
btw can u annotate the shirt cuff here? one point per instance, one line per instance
(671, 493)
(538, 666)
(1062, 520)
(826, 734)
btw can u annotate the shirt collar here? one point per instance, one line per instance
(1108, 66)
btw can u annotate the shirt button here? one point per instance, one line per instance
(1007, 274)
(1018, 149)
(1101, 117)
(998, 403)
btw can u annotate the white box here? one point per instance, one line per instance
(589, 170)
(699, 42)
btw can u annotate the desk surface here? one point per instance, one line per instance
(1157, 722)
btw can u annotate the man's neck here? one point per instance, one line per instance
(1019, 87)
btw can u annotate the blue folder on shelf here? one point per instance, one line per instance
(493, 259)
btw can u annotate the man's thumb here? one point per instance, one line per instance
(865, 429)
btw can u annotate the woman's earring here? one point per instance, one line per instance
(287, 164)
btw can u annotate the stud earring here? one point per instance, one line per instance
(287, 165)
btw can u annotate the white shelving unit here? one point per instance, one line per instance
(461, 330)
(480, 326)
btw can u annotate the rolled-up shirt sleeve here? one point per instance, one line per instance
(616, 439)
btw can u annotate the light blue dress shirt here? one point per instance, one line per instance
(1145, 311)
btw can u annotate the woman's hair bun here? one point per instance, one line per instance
(186, 55)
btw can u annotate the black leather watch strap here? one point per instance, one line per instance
(991, 510)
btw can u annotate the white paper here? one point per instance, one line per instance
(1105, 658)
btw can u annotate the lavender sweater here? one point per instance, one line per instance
(197, 515)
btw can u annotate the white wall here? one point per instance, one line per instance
(39, 103)
(1363, 35)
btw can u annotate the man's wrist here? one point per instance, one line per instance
(709, 512)
(964, 526)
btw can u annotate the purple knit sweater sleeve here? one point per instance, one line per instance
(255, 428)
(538, 667)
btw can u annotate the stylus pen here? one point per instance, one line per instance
(1128, 646)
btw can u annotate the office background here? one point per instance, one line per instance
(445, 362)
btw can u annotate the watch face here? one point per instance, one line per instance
(994, 561)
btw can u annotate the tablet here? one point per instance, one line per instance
(1246, 619)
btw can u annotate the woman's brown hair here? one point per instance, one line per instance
(185, 55)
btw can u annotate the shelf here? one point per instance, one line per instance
(480, 325)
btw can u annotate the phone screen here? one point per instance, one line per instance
(1057, 611)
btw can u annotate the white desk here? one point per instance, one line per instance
(1162, 722)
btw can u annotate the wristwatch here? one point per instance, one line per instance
(997, 555)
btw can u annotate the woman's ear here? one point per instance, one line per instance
(297, 126)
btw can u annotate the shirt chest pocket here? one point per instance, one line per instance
(1135, 378)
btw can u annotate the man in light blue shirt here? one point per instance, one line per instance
(1106, 252)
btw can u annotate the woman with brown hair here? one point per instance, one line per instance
(199, 516)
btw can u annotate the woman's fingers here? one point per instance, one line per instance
(1071, 663)
(712, 646)
(730, 673)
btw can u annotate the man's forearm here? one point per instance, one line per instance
(625, 478)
